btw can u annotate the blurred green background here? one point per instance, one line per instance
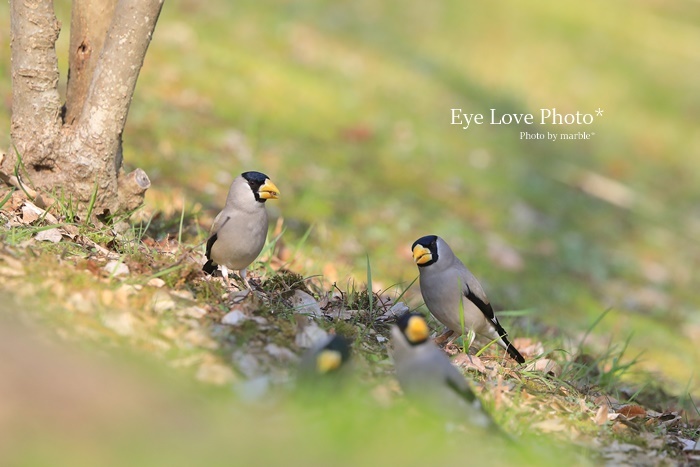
(346, 105)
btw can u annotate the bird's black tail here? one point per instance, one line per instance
(512, 351)
(209, 267)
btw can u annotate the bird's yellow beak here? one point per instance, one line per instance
(417, 329)
(328, 360)
(268, 190)
(421, 254)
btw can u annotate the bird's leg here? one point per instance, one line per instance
(224, 272)
(471, 335)
(467, 340)
(439, 340)
(450, 346)
(245, 281)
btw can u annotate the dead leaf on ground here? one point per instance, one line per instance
(30, 210)
(469, 362)
(546, 366)
(50, 235)
(29, 215)
(527, 346)
(601, 416)
(632, 411)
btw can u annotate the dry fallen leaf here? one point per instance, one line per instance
(669, 419)
(29, 215)
(50, 235)
(605, 400)
(527, 346)
(601, 416)
(469, 362)
(546, 366)
(632, 411)
(31, 207)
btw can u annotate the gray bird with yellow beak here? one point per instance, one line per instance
(240, 229)
(450, 289)
(428, 377)
(329, 357)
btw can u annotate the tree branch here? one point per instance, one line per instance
(104, 114)
(89, 22)
(35, 99)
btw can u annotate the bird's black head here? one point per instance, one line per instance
(425, 250)
(260, 184)
(333, 355)
(414, 327)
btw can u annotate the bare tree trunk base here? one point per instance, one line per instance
(113, 191)
(73, 153)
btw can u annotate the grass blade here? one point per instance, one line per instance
(592, 326)
(7, 198)
(182, 218)
(18, 176)
(91, 205)
(398, 299)
(370, 290)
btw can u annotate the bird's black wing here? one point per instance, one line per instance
(210, 243)
(465, 392)
(487, 310)
(210, 266)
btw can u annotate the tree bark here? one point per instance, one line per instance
(36, 105)
(83, 153)
(89, 23)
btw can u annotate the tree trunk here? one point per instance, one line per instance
(80, 152)
(89, 23)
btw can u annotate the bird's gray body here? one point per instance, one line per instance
(444, 284)
(427, 375)
(240, 228)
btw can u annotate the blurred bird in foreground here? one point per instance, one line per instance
(428, 377)
(326, 360)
